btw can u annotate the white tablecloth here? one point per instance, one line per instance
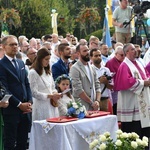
(74, 135)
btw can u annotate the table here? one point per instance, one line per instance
(75, 135)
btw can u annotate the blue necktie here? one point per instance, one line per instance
(16, 66)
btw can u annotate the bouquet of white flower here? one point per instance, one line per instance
(76, 109)
(125, 141)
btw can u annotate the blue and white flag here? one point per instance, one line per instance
(106, 33)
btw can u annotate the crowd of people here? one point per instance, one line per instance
(95, 74)
(36, 72)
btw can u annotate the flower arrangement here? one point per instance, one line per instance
(11, 17)
(125, 141)
(76, 109)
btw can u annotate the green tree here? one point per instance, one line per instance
(88, 18)
(34, 16)
(76, 6)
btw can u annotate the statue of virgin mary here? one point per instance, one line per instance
(54, 21)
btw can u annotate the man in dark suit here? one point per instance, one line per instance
(62, 65)
(16, 116)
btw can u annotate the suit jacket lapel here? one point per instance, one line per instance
(92, 75)
(9, 66)
(63, 66)
(83, 69)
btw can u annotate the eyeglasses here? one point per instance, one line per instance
(13, 44)
(122, 55)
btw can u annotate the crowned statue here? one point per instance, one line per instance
(54, 21)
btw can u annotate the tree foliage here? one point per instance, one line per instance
(75, 9)
(36, 16)
(88, 17)
(10, 17)
(99, 33)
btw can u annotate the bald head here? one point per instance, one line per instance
(118, 44)
(119, 53)
(33, 43)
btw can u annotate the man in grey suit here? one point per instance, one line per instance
(85, 84)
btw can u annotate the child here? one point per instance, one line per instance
(63, 82)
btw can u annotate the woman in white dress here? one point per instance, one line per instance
(43, 87)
